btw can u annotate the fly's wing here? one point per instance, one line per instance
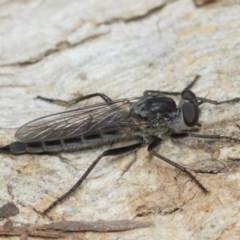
(97, 118)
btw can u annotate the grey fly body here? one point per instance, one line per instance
(146, 119)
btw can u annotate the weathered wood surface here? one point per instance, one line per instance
(61, 49)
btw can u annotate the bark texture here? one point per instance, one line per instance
(63, 49)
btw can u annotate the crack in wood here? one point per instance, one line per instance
(136, 18)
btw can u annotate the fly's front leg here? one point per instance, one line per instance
(155, 143)
(60, 102)
(109, 152)
(206, 100)
(201, 100)
(212, 136)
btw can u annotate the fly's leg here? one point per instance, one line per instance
(206, 100)
(212, 136)
(157, 142)
(156, 92)
(109, 152)
(201, 100)
(76, 100)
(191, 84)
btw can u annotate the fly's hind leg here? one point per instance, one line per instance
(60, 102)
(109, 152)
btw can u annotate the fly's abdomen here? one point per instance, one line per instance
(14, 148)
(65, 145)
(21, 148)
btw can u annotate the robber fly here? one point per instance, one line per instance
(146, 120)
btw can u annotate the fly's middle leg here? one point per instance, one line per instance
(60, 102)
(156, 92)
(109, 152)
(157, 142)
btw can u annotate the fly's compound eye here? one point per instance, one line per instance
(190, 108)
(189, 95)
(190, 113)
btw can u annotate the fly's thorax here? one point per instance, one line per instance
(155, 110)
(154, 107)
(187, 115)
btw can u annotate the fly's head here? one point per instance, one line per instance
(187, 115)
